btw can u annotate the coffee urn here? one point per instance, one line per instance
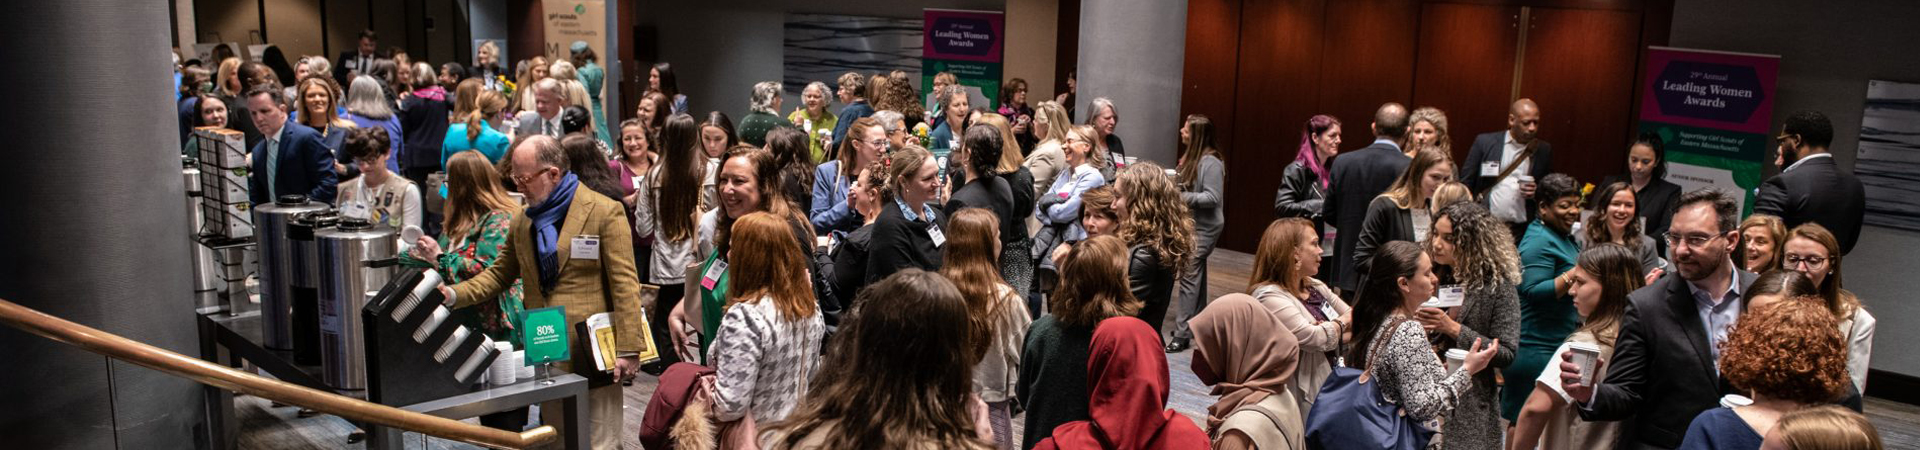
(206, 295)
(270, 223)
(306, 283)
(357, 259)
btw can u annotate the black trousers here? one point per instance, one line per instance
(669, 298)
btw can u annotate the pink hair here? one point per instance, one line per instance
(1315, 125)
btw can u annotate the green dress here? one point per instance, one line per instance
(1545, 320)
(713, 305)
(464, 257)
(593, 77)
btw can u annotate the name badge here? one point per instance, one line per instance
(1452, 295)
(357, 210)
(586, 247)
(636, 181)
(933, 230)
(1490, 169)
(714, 272)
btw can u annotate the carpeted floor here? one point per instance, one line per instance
(277, 428)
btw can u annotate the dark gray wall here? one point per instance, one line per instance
(720, 48)
(1132, 52)
(1828, 50)
(93, 224)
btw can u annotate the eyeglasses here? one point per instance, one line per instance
(1691, 241)
(1792, 262)
(522, 180)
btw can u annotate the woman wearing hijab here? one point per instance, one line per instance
(1248, 356)
(1127, 377)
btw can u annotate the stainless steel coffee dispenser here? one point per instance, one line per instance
(357, 259)
(271, 224)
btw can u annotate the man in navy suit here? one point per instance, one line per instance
(1358, 177)
(1507, 197)
(289, 159)
(1811, 187)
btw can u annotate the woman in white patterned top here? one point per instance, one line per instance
(768, 344)
(1400, 278)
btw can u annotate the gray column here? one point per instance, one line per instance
(1132, 52)
(91, 222)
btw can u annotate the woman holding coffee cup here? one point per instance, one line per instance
(1387, 339)
(1602, 277)
(1470, 240)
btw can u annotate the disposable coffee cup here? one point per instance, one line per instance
(1524, 179)
(1455, 359)
(1735, 401)
(1584, 355)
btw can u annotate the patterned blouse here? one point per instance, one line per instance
(763, 362)
(466, 256)
(1412, 376)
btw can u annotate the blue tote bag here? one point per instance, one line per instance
(1350, 413)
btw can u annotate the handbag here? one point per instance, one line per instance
(1351, 413)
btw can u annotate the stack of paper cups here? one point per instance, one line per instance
(520, 361)
(505, 367)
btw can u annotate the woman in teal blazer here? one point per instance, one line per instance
(1547, 315)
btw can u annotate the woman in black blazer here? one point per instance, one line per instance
(1158, 229)
(907, 234)
(1647, 174)
(1401, 213)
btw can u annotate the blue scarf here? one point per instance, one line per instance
(546, 229)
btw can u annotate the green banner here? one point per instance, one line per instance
(545, 336)
(1709, 157)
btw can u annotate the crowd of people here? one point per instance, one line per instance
(898, 273)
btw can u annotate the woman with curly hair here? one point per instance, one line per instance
(913, 319)
(901, 97)
(1615, 219)
(1470, 240)
(1159, 228)
(1790, 355)
(1053, 380)
(1602, 278)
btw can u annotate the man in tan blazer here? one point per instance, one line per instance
(571, 247)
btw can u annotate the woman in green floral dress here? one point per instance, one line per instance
(478, 212)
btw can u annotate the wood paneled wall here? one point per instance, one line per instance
(1260, 68)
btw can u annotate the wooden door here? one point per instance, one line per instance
(1279, 57)
(1579, 66)
(1465, 67)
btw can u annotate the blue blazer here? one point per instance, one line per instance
(305, 167)
(830, 211)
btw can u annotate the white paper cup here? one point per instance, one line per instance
(1584, 355)
(1735, 401)
(1455, 359)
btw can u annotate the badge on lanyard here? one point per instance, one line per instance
(714, 272)
(933, 231)
(586, 246)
